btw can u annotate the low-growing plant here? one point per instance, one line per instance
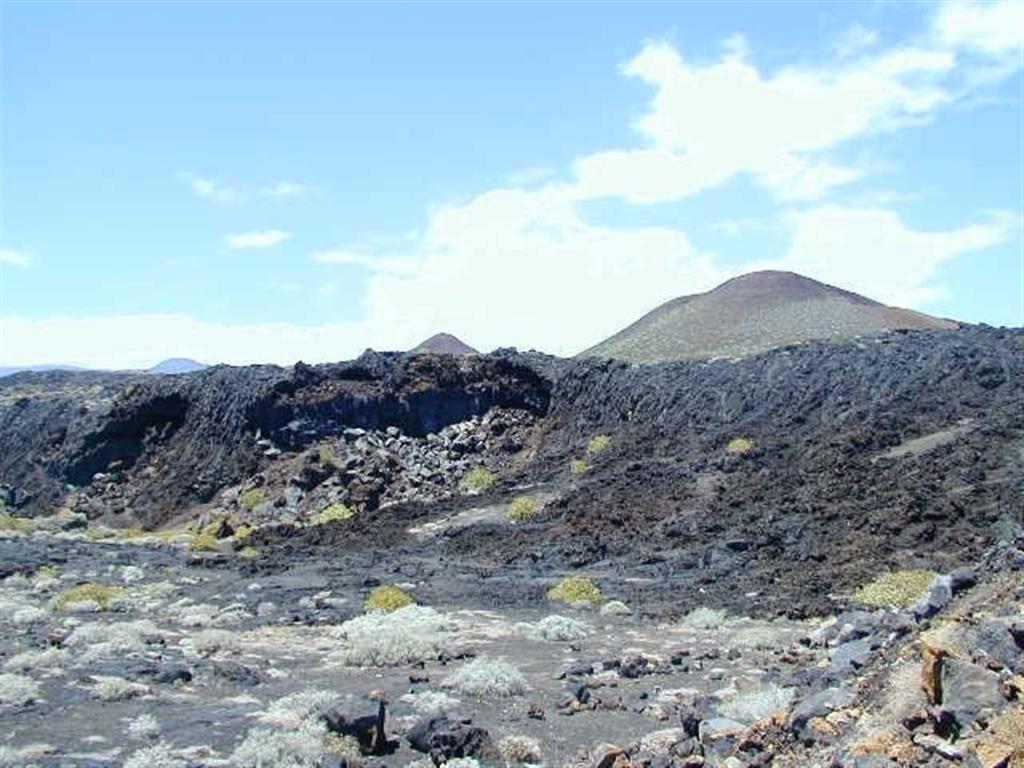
(35, 659)
(519, 750)
(898, 589)
(484, 676)
(739, 446)
(387, 598)
(576, 589)
(207, 642)
(327, 455)
(750, 706)
(157, 756)
(301, 706)
(408, 635)
(114, 688)
(477, 480)
(252, 498)
(331, 514)
(203, 541)
(522, 508)
(46, 572)
(248, 553)
(89, 592)
(144, 727)
(14, 524)
(705, 618)
(557, 628)
(277, 748)
(615, 608)
(578, 466)
(17, 690)
(599, 444)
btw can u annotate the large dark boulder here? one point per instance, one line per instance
(443, 738)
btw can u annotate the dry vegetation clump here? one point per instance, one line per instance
(578, 466)
(477, 480)
(576, 589)
(144, 727)
(899, 589)
(17, 690)
(387, 598)
(90, 592)
(114, 688)
(405, 636)
(556, 628)
(705, 618)
(248, 553)
(251, 499)
(518, 750)
(11, 524)
(756, 704)
(598, 444)
(207, 642)
(522, 508)
(739, 446)
(484, 676)
(327, 455)
(35, 659)
(331, 514)
(158, 756)
(615, 608)
(301, 747)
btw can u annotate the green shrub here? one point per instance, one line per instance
(327, 455)
(203, 541)
(522, 509)
(578, 466)
(248, 553)
(898, 589)
(252, 498)
(478, 479)
(576, 589)
(101, 594)
(387, 598)
(16, 524)
(739, 446)
(598, 444)
(331, 514)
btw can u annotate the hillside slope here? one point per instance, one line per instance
(753, 313)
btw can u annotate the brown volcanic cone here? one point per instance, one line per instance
(753, 313)
(444, 344)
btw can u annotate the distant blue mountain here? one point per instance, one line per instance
(8, 370)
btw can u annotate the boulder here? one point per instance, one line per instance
(818, 705)
(362, 718)
(443, 738)
(969, 691)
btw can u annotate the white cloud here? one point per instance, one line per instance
(15, 257)
(263, 239)
(990, 28)
(284, 189)
(210, 189)
(707, 124)
(873, 252)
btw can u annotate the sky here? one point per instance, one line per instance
(273, 182)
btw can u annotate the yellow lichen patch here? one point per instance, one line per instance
(248, 553)
(477, 480)
(101, 594)
(252, 498)
(387, 598)
(578, 466)
(898, 589)
(522, 508)
(332, 514)
(739, 446)
(598, 444)
(16, 524)
(576, 589)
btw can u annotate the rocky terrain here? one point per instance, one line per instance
(807, 557)
(754, 313)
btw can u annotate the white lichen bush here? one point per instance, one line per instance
(157, 756)
(96, 640)
(517, 750)
(615, 608)
(462, 762)
(557, 628)
(301, 706)
(144, 727)
(29, 614)
(33, 659)
(487, 677)
(277, 748)
(207, 642)
(17, 690)
(132, 573)
(431, 702)
(405, 636)
(705, 618)
(756, 704)
(114, 688)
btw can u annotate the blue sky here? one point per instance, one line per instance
(247, 182)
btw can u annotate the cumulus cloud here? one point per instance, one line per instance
(15, 257)
(211, 189)
(267, 238)
(989, 28)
